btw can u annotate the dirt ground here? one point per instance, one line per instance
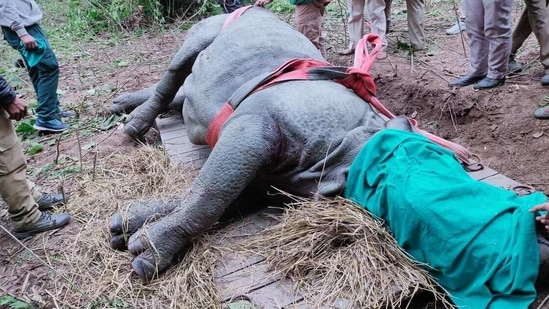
(497, 125)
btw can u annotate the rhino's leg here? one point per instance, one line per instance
(127, 221)
(126, 103)
(199, 37)
(233, 164)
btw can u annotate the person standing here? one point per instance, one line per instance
(379, 12)
(20, 24)
(488, 25)
(26, 214)
(534, 18)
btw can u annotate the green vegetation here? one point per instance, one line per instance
(10, 302)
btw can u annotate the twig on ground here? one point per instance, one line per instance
(460, 30)
(79, 149)
(57, 143)
(94, 164)
(411, 61)
(434, 72)
(393, 67)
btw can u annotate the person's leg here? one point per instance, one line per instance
(355, 24)
(308, 21)
(498, 32)
(14, 189)
(416, 19)
(520, 34)
(388, 4)
(376, 11)
(45, 78)
(478, 44)
(538, 16)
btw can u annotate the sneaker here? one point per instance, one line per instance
(514, 67)
(54, 125)
(67, 114)
(47, 201)
(46, 222)
(455, 29)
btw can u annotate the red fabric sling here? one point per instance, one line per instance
(357, 78)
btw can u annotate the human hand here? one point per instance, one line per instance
(17, 109)
(29, 41)
(542, 219)
(262, 2)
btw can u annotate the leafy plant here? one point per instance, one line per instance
(26, 126)
(13, 303)
(35, 148)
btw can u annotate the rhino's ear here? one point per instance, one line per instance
(399, 123)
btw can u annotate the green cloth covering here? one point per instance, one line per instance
(33, 56)
(479, 239)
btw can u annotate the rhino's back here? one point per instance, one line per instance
(255, 43)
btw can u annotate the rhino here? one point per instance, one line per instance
(301, 136)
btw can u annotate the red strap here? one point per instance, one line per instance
(215, 126)
(359, 80)
(236, 14)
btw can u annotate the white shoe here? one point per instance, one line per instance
(456, 28)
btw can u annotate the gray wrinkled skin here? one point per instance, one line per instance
(299, 136)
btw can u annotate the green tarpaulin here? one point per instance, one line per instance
(479, 239)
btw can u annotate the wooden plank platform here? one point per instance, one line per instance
(245, 275)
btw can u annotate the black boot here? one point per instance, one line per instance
(489, 83)
(514, 67)
(47, 201)
(465, 81)
(46, 222)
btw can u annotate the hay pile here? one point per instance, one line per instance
(103, 276)
(336, 253)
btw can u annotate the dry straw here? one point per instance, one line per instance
(105, 274)
(336, 253)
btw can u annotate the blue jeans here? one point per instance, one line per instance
(44, 75)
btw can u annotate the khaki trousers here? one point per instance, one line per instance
(15, 190)
(535, 18)
(488, 24)
(416, 23)
(380, 14)
(308, 21)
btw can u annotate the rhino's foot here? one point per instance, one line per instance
(156, 247)
(137, 127)
(126, 222)
(126, 103)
